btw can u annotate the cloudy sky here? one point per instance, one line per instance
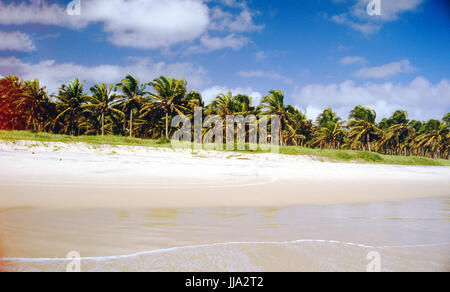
(320, 52)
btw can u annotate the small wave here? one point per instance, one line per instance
(172, 249)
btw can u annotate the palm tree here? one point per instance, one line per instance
(362, 125)
(330, 131)
(397, 138)
(71, 102)
(169, 97)
(34, 102)
(223, 105)
(304, 127)
(446, 119)
(243, 105)
(103, 101)
(11, 90)
(192, 100)
(397, 133)
(332, 138)
(132, 96)
(273, 104)
(328, 119)
(435, 139)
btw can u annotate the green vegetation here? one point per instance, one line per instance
(332, 155)
(96, 140)
(143, 111)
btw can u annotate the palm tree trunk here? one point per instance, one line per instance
(167, 125)
(103, 124)
(35, 125)
(368, 142)
(72, 127)
(131, 123)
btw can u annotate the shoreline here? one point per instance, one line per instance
(34, 174)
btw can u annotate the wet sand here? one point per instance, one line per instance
(412, 235)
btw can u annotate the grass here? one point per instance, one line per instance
(363, 157)
(322, 154)
(95, 140)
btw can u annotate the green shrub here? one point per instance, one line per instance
(344, 155)
(161, 141)
(370, 156)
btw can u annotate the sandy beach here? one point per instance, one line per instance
(58, 175)
(154, 209)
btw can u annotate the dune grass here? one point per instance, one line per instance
(98, 140)
(363, 156)
(320, 154)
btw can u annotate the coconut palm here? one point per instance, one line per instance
(223, 105)
(11, 90)
(243, 105)
(131, 97)
(102, 101)
(273, 104)
(397, 133)
(362, 125)
(192, 100)
(169, 97)
(435, 140)
(329, 132)
(328, 119)
(33, 103)
(331, 138)
(24, 105)
(397, 138)
(71, 102)
(446, 119)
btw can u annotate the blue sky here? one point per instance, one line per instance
(320, 52)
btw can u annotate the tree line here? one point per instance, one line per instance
(145, 110)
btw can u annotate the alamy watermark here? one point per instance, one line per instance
(374, 264)
(374, 8)
(74, 264)
(209, 133)
(74, 8)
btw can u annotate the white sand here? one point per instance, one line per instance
(78, 175)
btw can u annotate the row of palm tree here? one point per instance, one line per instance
(145, 110)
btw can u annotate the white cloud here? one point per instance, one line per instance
(234, 3)
(358, 19)
(386, 71)
(263, 74)
(343, 48)
(365, 28)
(226, 21)
(209, 94)
(348, 60)
(390, 10)
(148, 24)
(27, 13)
(15, 41)
(260, 56)
(263, 55)
(54, 74)
(420, 98)
(209, 43)
(144, 24)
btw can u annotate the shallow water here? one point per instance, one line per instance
(410, 235)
